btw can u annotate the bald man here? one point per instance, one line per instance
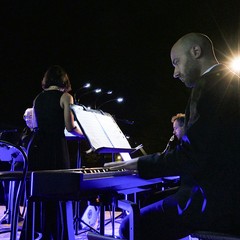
(208, 154)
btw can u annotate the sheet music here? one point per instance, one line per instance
(114, 133)
(100, 129)
(93, 130)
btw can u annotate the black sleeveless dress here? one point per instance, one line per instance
(49, 149)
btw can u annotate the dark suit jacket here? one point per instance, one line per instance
(210, 151)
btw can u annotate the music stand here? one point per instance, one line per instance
(69, 136)
(102, 133)
(101, 130)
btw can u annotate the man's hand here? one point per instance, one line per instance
(128, 165)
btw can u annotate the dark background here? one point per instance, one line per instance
(116, 45)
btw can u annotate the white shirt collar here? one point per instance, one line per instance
(209, 69)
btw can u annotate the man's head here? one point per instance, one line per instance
(191, 56)
(28, 117)
(178, 125)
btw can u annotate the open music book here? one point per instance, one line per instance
(101, 130)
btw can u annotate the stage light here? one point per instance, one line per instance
(86, 85)
(118, 100)
(109, 92)
(96, 90)
(235, 64)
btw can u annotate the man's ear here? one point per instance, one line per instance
(196, 51)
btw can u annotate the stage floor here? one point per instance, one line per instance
(82, 234)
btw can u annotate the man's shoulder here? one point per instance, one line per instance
(221, 71)
(219, 76)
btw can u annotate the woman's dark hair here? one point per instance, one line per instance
(56, 76)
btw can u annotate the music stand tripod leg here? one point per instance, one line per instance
(77, 214)
(76, 217)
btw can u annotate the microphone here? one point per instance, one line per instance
(168, 144)
(171, 138)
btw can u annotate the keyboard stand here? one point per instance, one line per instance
(134, 214)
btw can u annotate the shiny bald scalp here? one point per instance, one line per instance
(203, 41)
(191, 56)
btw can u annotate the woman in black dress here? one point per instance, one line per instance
(48, 149)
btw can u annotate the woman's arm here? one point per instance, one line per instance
(65, 102)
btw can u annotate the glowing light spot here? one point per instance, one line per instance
(235, 65)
